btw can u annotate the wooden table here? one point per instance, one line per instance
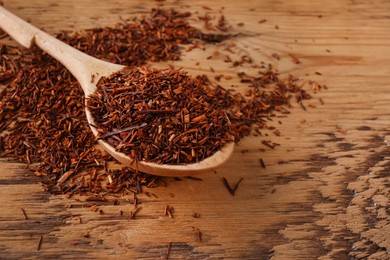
(324, 192)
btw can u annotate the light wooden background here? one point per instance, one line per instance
(325, 191)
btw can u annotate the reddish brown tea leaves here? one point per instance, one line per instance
(270, 144)
(168, 251)
(237, 184)
(24, 214)
(168, 211)
(275, 56)
(295, 59)
(170, 106)
(230, 189)
(194, 178)
(40, 243)
(134, 213)
(196, 215)
(154, 37)
(227, 186)
(262, 164)
(166, 116)
(42, 118)
(65, 176)
(42, 107)
(198, 233)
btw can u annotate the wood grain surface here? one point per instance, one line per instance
(324, 193)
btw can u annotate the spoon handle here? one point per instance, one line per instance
(81, 65)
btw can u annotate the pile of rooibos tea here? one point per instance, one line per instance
(164, 116)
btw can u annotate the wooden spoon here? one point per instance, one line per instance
(88, 70)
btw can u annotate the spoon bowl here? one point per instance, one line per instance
(88, 70)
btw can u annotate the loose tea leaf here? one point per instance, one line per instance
(262, 164)
(43, 124)
(24, 214)
(40, 243)
(42, 106)
(227, 186)
(166, 256)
